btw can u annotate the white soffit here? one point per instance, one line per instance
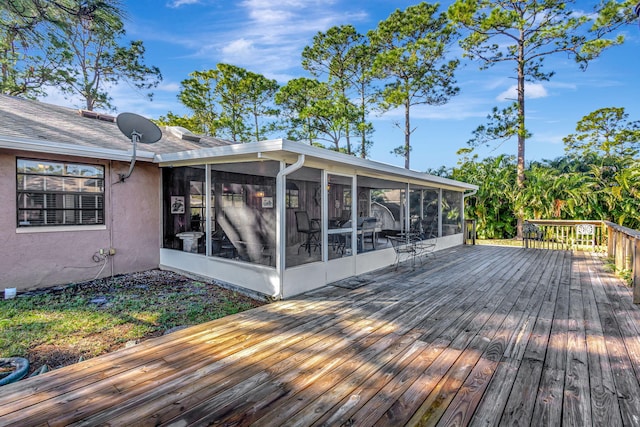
(288, 150)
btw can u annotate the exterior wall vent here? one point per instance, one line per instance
(97, 116)
(183, 133)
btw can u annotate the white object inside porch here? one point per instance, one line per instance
(190, 240)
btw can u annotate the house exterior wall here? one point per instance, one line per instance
(32, 258)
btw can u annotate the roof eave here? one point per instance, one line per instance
(286, 146)
(51, 147)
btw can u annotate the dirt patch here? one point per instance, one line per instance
(105, 315)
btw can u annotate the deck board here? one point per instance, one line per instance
(473, 336)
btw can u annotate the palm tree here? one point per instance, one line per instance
(492, 205)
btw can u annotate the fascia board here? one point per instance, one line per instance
(222, 151)
(286, 146)
(378, 167)
(49, 147)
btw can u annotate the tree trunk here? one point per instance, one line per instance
(522, 134)
(347, 121)
(407, 135)
(363, 146)
(255, 116)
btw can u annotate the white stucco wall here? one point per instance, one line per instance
(254, 277)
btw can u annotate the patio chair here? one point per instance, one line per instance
(424, 248)
(585, 235)
(369, 231)
(530, 234)
(345, 216)
(430, 228)
(305, 226)
(403, 249)
(221, 246)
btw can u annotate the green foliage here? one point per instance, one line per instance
(260, 93)
(31, 53)
(599, 180)
(331, 55)
(502, 125)
(198, 94)
(229, 102)
(311, 114)
(524, 33)
(26, 73)
(607, 132)
(72, 44)
(342, 55)
(411, 57)
(492, 206)
(187, 122)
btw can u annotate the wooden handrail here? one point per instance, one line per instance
(622, 243)
(624, 249)
(564, 234)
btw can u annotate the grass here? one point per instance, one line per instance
(625, 274)
(499, 242)
(60, 326)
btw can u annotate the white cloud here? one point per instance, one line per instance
(269, 35)
(265, 36)
(124, 98)
(238, 51)
(168, 87)
(547, 138)
(459, 108)
(531, 91)
(179, 3)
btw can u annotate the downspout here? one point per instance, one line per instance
(440, 212)
(281, 235)
(464, 196)
(111, 219)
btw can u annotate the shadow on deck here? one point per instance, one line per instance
(477, 335)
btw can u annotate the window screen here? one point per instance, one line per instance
(57, 193)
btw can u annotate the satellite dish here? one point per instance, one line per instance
(137, 129)
(135, 126)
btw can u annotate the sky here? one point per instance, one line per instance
(268, 36)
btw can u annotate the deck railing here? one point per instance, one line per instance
(469, 231)
(564, 234)
(621, 243)
(624, 249)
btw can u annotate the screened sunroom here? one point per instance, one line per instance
(281, 217)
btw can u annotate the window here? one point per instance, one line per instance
(451, 217)
(57, 193)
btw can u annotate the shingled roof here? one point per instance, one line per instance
(29, 120)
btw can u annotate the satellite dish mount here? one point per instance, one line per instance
(139, 130)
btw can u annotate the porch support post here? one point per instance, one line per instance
(421, 211)
(324, 206)
(439, 212)
(407, 210)
(207, 206)
(281, 216)
(354, 221)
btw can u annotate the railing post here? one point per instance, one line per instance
(619, 255)
(635, 274)
(474, 231)
(471, 236)
(611, 237)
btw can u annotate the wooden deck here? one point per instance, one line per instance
(476, 336)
